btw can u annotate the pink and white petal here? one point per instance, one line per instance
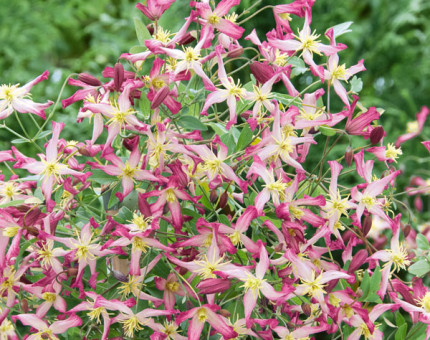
(43, 309)
(249, 302)
(27, 87)
(32, 320)
(341, 92)
(263, 263)
(219, 325)
(228, 28)
(60, 327)
(24, 105)
(224, 7)
(213, 98)
(195, 328)
(356, 68)
(285, 45)
(262, 198)
(333, 275)
(269, 292)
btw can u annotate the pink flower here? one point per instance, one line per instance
(307, 43)
(128, 171)
(50, 166)
(414, 128)
(199, 316)
(357, 125)
(388, 153)
(212, 19)
(335, 73)
(426, 144)
(367, 199)
(13, 97)
(154, 8)
(45, 330)
(232, 93)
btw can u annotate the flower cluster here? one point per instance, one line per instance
(197, 208)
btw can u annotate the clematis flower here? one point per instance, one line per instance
(154, 9)
(120, 113)
(420, 305)
(213, 19)
(388, 153)
(306, 42)
(396, 257)
(199, 316)
(255, 284)
(414, 128)
(13, 97)
(171, 287)
(214, 166)
(367, 199)
(335, 73)
(232, 93)
(128, 171)
(359, 126)
(369, 329)
(190, 59)
(51, 295)
(46, 331)
(50, 168)
(336, 206)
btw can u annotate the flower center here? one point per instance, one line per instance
(131, 286)
(339, 72)
(172, 286)
(8, 92)
(412, 127)
(49, 297)
(191, 55)
(425, 302)
(128, 171)
(214, 19)
(309, 42)
(131, 325)
(96, 312)
(399, 258)
(392, 152)
(368, 201)
(313, 287)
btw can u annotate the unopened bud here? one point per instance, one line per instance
(225, 313)
(407, 230)
(358, 260)
(213, 196)
(150, 28)
(118, 76)
(130, 143)
(366, 225)
(306, 309)
(418, 203)
(84, 152)
(89, 79)
(349, 155)
(223, 200)
(159, 97)
(278, 247)
(24, 305)
(377, 134)
(32, 230)
(187, 38)
(262, 72)
(237, 52)
(72, 272)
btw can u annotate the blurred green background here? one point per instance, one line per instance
(85, 36)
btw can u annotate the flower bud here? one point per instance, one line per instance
(72, 272)
(32, 230)
(24, 305)
(306, 309)
(211, 286)
(377, 134)
(418, 203)
(349, 155)
(118, 76)
(187, 38)
(130, 143)
(237, 52)
(213, 196)
(407, 230)
(366, 225)
(159, 97)
(225, 313)
(84, 152)
(89, 79)
(223, 200)
(358, 260)
(150, 28)
(262, 72)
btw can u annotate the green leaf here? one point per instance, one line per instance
(12, 203)
(224, 220)
(401, 332)
(422, 242)
(356, 84)
(327, 131)
(245, 138)
(19, 141)
(343, 28)
(191, 123)
(141, 31)
(370, 286)
(23, 247)
(218, 128)
(420, 268)
(400, 320)
(229, 142)
(285, 99)
(299, 66)
(101, 177)
(43, 134)
(138, 49)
